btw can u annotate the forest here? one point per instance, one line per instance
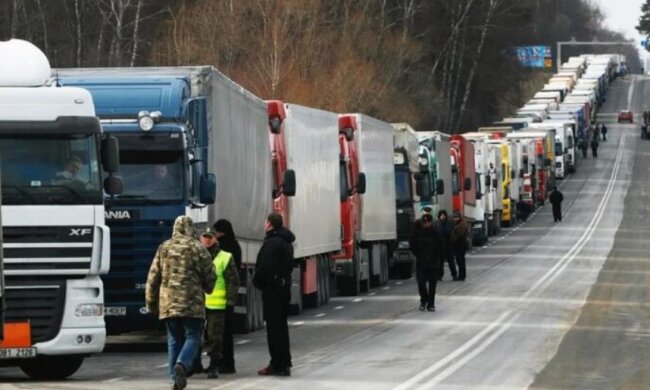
(444, 65)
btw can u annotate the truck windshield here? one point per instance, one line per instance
(152, 168)
(44, 169)
(402, 186)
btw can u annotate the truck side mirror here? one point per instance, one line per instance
(208, 188)
(110, 154)
(113, 185)
(495, 183)
(467, 184)
(513, 174)
(289, 183)
(488, 180)
(418, 176)
(478, 195)
(440, 187)
(361, 183)
(521, 173)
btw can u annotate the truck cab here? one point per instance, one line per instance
(55, 242)
(349, 270)
(162, 131)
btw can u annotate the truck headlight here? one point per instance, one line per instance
(404, 245)
(146, 120)
(89, 310)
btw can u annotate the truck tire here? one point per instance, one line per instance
(349, 285)
(52, 367)
(405, 270)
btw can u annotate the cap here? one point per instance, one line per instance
(208, 232)
(427, 218)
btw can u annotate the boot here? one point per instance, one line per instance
(213, 368)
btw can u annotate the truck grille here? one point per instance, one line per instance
(39, 303)
(133, 246)
(47, 250)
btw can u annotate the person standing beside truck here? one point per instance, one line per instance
(273, 276)
(426, 246)
(444, 227)
(220, 305)
(227, 242)
(594, 146)
(180, 274)
(556, 199)
(459, 235)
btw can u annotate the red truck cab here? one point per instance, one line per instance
(353, 184)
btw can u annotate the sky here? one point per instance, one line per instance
(622, 15)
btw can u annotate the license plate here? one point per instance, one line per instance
(115, 311)
(17, 353)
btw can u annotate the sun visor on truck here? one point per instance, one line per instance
(62, 125)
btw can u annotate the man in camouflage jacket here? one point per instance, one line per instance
(181, 273)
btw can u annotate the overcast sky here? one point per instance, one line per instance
(621, 15)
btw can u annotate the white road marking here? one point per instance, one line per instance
(297, 323)
(319, 315)
(339, 307)
(242, 342)
(115, 380)
(162, 365)
(357, 300)
(386, 288)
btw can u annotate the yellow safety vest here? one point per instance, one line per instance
(217, 300)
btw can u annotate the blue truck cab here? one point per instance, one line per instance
(162, 133)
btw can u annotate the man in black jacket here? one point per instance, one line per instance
(556, 199)
(273, 276)
(427, 248)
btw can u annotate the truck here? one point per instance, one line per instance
(367, 214)
(488, 164)
(535, 169)
(407, 173)
(194, 123)
(55, 241)
(435, 165)
(467, 195)
(306, 192)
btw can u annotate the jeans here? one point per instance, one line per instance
(183, 341)
(449, 258)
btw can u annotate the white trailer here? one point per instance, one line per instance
(377, 229)
(312, 152)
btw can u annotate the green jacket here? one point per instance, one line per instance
(180, 274)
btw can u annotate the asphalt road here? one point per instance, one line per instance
(545, 305)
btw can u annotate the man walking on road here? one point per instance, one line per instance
(220, 305)
(556, 199)
(594, 146)
(273, 276)
(444, 227)
(180, 274)
(427, 247)
(459, 236)
(603, 131)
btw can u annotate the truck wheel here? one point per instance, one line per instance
(52, 367)
(349, 285)
(405, 270)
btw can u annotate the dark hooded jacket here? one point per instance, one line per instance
(426, 245)
(228, 242)
(275, 261)
(181, 273)
(556, 198)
